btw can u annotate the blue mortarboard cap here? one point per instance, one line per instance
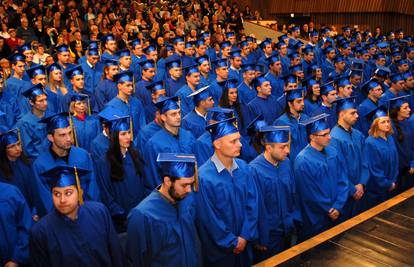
(293, 94)
(295, 68)
(289, 78)
(78, 97)
(397, 102)
(34, 91)
(62, 48)
(188, 70)
(343, 81)
(258, 81)
(357, 64)
(93, 52)
(325, 30)
(63, 176)
(376, 113)
(109, 114)
(230, 34)
(396, 77)
(189, 44)
(25, 47)
(396, 53)
(178, 39)
(219, 114)
(123, 53)
(339, 58)
(17, 57)
(77, 70)
(200, 95)
(328, 49)
(235, 53)
(326, 88)
(314, 33)
(409, 49)
(293, 54)
(272, 59)
(295, 28)
(111, 62)
(255, 125)
(93, 45)
(204, 35)
(401, 62)
(147, 64)
(231, 83)
(149, 49)
(225, 44)
(169, 47)
(173, 61)
(309, 82)
(156, 86)
(108, 37)
(165, 104)
(199, 42)
(201, 59)
(382, 45)
(124, 76)
(177, 165)
(316, 124)
(247, 67)
(250, 39)
(298, 44)
(345, 103)
(382, 71)
(369, 85)
(222, 128)
(120, 124)
(56, 121)
(220, 63)
(346, 28)
(307, 49)
(275, 134)
(280, 44)
(354, 73)
(407, 75)
(260, 68)
(244, 44)
(135, 42)
(36, 70)
(8, 137)
(282, 38)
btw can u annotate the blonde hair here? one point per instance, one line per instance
(53, 85)
(374, 129)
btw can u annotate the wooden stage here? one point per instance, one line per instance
(381, 236)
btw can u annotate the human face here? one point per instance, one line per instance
(208, 103)
(62, 138)
(355, 80)
(78, 81)
(201, 50)
(384, 124)
(316, 89)
(172, 118)
(193, 79)
(57, 75)
(399, 85)
(14, 151)
(111, 46)
(229, 145)
(125, 62)
(29, 55)
(236, 62)
(309, 56)
(350, 116)
(40, 103)
(125, 88)
(204, 67)
(376, 92)
(65, 199)
(40, 79)
(248, 76)
(322, 138)
(138, 50)
(345, 91)
(226, 51)
(297, 105)
(180, 188)
(63, 57)
(409, 82)
(405, 111)
(153, 55)
(268, 49)
(157, 94)
(124, 139)
(79, 107)
(331, 97)
(232, 95)
(93, 60)
(278, 151)
(222, 73)
(265, 89)
(180, 46)
(111, 71)
(276, 67)
(176, 73)
(18, 68)
(148, 73)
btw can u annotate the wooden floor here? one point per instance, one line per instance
(386, 239)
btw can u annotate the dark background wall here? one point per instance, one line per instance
(389, 14)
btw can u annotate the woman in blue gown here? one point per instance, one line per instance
(55, 89)
(313, 96)
(119, 174)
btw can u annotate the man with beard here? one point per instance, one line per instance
(109, 42)
(161, 229)
(61, 152)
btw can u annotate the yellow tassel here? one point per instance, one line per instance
(195, 187)
(89, 107)
(73, 130)
(131, 129)
(80, 191)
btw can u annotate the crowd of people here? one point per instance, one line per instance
(159, 134)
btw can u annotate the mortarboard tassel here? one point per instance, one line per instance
(80, 191)
(73, 130)
(195, 187)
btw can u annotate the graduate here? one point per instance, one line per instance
(124, 58)
(148, 73)
(210, 51)
(292, 117)
(222, 74)
(92, 71)
(349, 143)
(15, 223)
(37, 75)
(245, 89)
(175, 78)
(61, 152)
(110, 46)
(15, 167)
(170, 138)
(55, 89)
(328, 96)
(106, 89)
(227, 201)
(374, 91)
(235, 66)
(276, 186)
(86, 126)
(156, 90)
(74, 232)
(264, 103)
(321, 182)
(313, 95)
(119, 173)
(195, 121)
(403, 134)
(192, 76)
(63, 59)
(15, 85)
(204, 66)
(33, 134)
(148, 131)
(273, 75)
(8, 105)
(380, 157)
(161, 229)
(396, 89)
(137, 56)
(126, 103)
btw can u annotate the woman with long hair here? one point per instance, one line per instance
(403, 135)
(120, 173)
(380, 158)
(313, 98)
(55, 89)
(230, 99)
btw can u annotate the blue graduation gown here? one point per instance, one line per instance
(203, 148)
(142, 93)
(105, 55)
(333, 116)
(297, 131)
(9, 105)
(55, 101)
(161, 234)
(77, 157)
(276, 186)
(229, 205)
(67, 99)
(150, 111)
(172, 86)
(164, 142)
(15, 87)
(86, 131)
(321, 185)
(327, 67)
(123, 195)
(186, 103)
(135, 67)
(235, 74)
(405, 148)
(380, 157)
(66, 80)
(363, 124)
(146, 133)
(269, 107)
(278, 86)
(246, 93)
(90, 240)
(99, 146)
(216, 91)
(15, 223)
(104, 92)
(349, 147)
(133, 108)
(92, 77)
(311, 106)
(33, 135)
(194, 123)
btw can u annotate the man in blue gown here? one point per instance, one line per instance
(170, 138)
(321, 182)
(235, 66)
(148, 73)
(374, 91)
(349, 143)
(276, 185)
(15, 223)
(274, 74)
(192, 76)
(74, 233)
(61, 152)
(106, 89)
(33, 134)
(161, 229)
(246, 92)
(15, 85)
(91, 70)
(63, 58)
(110, 45)
(227, 201)
(175, 78)
(222, 74)
(328, 95)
